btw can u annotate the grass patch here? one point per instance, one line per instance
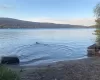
(7, 74)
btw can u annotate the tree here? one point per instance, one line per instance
(97, 31)
(97, 10)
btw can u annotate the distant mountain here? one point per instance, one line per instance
(14, 23)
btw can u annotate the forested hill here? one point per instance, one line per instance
(14, 23)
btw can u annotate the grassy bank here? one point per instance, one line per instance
(7, 74)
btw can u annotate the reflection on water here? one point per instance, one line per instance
(53, 44)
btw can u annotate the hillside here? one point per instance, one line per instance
(15, 23)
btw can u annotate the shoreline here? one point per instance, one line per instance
(48, 64)
(81, 69)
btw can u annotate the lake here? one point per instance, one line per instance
(40, 46)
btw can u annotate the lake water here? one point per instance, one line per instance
(52, 44)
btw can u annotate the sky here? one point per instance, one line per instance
(75, 12)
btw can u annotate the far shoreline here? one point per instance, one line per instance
(49, 28)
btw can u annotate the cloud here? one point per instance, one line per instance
(78, 21)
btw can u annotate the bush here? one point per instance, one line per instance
(7, 74)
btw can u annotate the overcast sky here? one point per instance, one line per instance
(78, 12)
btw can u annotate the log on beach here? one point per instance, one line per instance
(10, 60)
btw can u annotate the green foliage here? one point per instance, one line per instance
(97, 14)
(97, 10)
(7, 74)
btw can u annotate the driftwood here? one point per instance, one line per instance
(10, 60)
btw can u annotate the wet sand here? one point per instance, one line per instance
(82, 69)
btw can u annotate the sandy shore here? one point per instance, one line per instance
(82, 69)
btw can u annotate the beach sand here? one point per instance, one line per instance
(81, 69)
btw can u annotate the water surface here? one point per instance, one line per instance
(53, 44)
